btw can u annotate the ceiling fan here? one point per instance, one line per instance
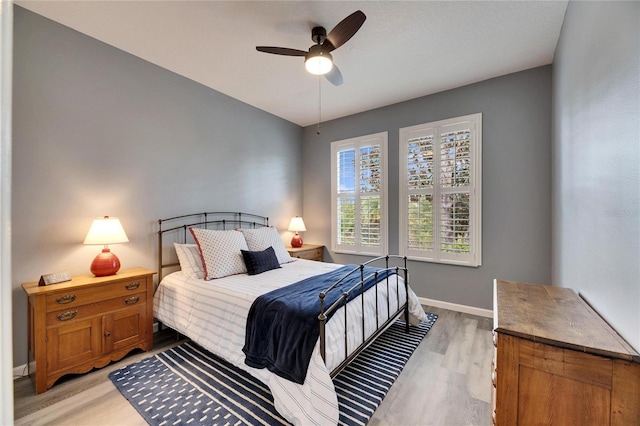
(318, 59)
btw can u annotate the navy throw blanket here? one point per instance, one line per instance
(282, 326)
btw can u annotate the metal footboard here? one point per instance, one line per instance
(358, 288)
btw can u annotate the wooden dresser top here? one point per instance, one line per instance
(32, 288)
(555, 316)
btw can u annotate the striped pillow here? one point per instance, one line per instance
(220, 252)
(190, 260)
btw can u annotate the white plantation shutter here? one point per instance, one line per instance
(419, 162)
(440, 191)
(359, 210)
(346, 197)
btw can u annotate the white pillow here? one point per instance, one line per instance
(262, 238)
(220, 252)
(190, 260)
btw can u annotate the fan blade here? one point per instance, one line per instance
(342, 32)
(281, 51)
(334, 76)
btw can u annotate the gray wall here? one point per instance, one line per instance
(516, 183)
(596, 158)
(98, 131)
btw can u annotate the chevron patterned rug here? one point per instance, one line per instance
(189, 385)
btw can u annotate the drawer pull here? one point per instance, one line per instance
(132, 300)
(133, 286)
(66, 316)
(66, 299)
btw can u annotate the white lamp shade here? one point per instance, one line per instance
(318, 65)
(297, 224)
(106, 230)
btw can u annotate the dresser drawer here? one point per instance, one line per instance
(69, 314)
(77, 297)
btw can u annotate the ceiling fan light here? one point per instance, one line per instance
(319, 64)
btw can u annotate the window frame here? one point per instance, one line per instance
(437, 128)
(357, 143)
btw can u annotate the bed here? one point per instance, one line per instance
(213, 312)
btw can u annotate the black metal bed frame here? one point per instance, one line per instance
(233, 220)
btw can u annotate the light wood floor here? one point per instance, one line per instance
(446, 382)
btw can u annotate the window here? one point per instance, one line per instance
(440, 191)
(359, 201)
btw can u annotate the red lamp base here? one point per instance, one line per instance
(106, 263)
(296, 241)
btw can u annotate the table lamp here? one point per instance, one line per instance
(296, 224)
(104, 231)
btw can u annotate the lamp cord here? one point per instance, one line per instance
(319, 105)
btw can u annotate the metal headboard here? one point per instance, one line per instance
(178, 227)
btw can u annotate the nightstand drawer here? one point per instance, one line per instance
(77, 297)
(73, 313)
(315, 254)
(307, 251)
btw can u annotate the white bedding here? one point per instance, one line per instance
(214, 313)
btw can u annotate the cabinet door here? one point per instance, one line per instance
(124, 328)
(73, 344)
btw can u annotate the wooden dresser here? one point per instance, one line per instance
(87, 322)
(558, 363)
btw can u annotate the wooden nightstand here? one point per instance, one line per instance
(307, 251)
(87, 322)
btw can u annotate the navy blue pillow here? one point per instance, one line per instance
(258, 262)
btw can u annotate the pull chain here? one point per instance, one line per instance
(319, 105)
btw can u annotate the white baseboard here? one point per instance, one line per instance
(19, 371)
(455, 307)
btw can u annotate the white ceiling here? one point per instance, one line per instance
(403, 51)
